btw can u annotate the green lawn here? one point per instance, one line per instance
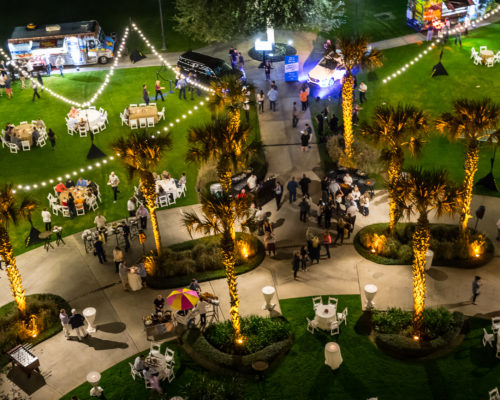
(466, 373)
(435, 95)
(40, 165)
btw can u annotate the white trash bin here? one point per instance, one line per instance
(428, 259)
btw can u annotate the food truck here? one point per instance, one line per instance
(421, 13)
(79, 43)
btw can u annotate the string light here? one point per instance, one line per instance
(431, 47)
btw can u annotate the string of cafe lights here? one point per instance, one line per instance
(431, 46)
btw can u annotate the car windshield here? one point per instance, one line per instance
(222, 69)
(328, 63)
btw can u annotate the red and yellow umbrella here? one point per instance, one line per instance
(183, 299)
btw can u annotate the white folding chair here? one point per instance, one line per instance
(163, 201)
(495, 324)
(26, 145)
(65, 211)
(477, 60)
(101, 110)
(33, 122)
(142, 105)
(71, 129)
(23, 122)
(152, 104)
(124, 120)
(170, 374)
(312, 325)
(41, 141)
(92, 202)
(56, 208)
(142, 123)
(183, 189)
(490, 62)
(51, 198)
(333, 300)
(494, 395)
(496, 57)
(133, 124)
(488, 338)
(481, 48)
(148, 384)
(133, 105)
(91, 107)
(4, 142)
(169, 356)
(334, 328)
(317, 301)
(161, 114)
(155, 348)
(151, 122)
(134, 372)
(342, 317)
(473, 52)
(13, 147)
(102, 124)
(95, 129)
(82, 130)
(80, 210)
(171, 198)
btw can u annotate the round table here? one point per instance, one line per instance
(333, 357)
(93, 378)
(89, 314)
(25, 132)
(79, 195)
(370, 292)
(134, 281)
(91, 117)
(268, 292)
(325, 315)
(485, 54)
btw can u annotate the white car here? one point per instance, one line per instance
(327, 71)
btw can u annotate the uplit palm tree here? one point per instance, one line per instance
(355, 52)
(472, 120)
(393, 129)
(221, 212)
(420, 192)
(217, 141)
(10, 212)
(141, 154)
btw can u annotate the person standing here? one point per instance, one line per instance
(295, 264)
(158, 90)
(334, 124)
(273, 97)
(123, 272)
(34, 85)
(267, 70)
(145, 94)
(8, 87)
(270, 243)
(364, 205)
(48, 65)
(340, 231)
(114, 181)
(201, 307)
(278, 193)
(77, 322)
(126, 235)
(181, 85)
(117, 257)
(63, 316)
(458, 34)
(46, 218)
(60, 64)
(100, 221)
(304, 185)
(476, 284)
(295, 118)
(99, 250)
(71, 206)
(362, 92)
(315, 248)
(304, 209)
(52, 138)
(260, 100)
(303, 258)
(327, 241)
(131, 207)
(320, 118)
(304, 140)
(292, 189)
(303, 96)
(159, 303)
(142, 213)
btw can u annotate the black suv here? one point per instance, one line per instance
(206, 67)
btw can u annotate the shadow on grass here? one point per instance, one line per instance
(363, 325)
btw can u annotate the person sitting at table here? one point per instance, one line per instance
(182, 180)
(60, 187)
(39, 124)
(156, 176)
(194, 285)
(9, 128)
(356, 194)
(348, 179)
(73, 113)
(7, 136)
(81, 182)
(139, 363)
(71, 205)
(70, 183)
(252, 182)
(159, 303)
(15, 139)
(35, 135)
(165, 175)
(92, 188)
(161, 191)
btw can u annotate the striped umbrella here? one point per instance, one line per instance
(183, 299)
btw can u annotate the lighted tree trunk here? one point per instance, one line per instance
(470, 168)
(229, 261)
(421, 241)
(16, 284)
(394, 173)
(347, 115)
(148, 188)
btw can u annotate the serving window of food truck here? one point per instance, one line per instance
(79, 43)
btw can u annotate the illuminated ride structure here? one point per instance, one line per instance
(420, 14)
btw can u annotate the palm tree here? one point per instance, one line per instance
(355, 52)
(420, 192)
(10, 213)
(141, 154)
(392, 129)
(218, 141)
(220, 215)
(472, 120)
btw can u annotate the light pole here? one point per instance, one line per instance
(163, 47)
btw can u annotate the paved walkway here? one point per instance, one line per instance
(70, 272)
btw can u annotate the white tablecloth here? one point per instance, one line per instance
(325, 314)
(168, 186)
(134, 281)
(90, 116)
(333, 357)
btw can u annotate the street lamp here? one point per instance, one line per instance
(163, 47)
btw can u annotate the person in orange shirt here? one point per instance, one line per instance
(60, 187)
(303, 98)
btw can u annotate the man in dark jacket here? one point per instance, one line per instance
(99, 251)
(304, 209)
(304, 185)
(292, 189)
(77, 322)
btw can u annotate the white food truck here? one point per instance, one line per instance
(79, 43)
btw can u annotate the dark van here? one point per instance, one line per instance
(206, 67)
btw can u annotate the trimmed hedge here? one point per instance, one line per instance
(448, 251)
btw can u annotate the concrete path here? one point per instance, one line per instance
(70, 272)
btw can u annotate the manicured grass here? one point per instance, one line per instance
(41, 164)
(466, 373)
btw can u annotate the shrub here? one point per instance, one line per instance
(405, 253)
(437, 322)
(394, 320)
(366, 157)
(390, 248)
(211, 389)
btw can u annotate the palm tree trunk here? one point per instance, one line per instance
(229, 261)
(394, 173)
(148, 188)
(225, 177)
(16, 284)
(347, 114)
(470, 168)
(421, 241)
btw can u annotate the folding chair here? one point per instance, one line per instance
(26, 145)
(95, 129)
(101, 110)
(488, 338)
(163, 201)
(161, 114)
(481, 48)
(80, 210)
(333, 300)
(13, 147)
(133, 124)
(142, 123)
(494, 395)
(495, 324)
(134, 372)
(151, 122)
(41, 142)
(312, 325)
(23, 122)
(91, 107)
(317, 301)
(71, 129)
(490, 61)
(334, 328)
(142, 105)
(82, 130)
(65, 211)
(169, 356)
(133, 105)
(342, 317)
(155, 348)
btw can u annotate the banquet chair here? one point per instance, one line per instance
(51, 198)
(154, 349)
(169, 371)
(4, 142)
(169, 356)
(101, 110)
(494, 395)
(333, 300)
(342, 317)
(98, 192)
(171, 197)
(148, 384)
(83, 131)
(151, 122)
(26, 145)
(473, 52)
(23, 122)
(124, 120)
(95, 129)
(133, 124)
(490, 61)
(317, 301)
(92, 202)
(488, 338)
(91, 107)
(334, 328)
(142, 105)
(152, 104)
(496, 57)
(495, 324)
(55, 208)
(71, 129)
(481, 48)
(134, 372)
(33, 121)
(478, 60)
(80, 210)
(104, 117)
(41, 142)
(312, 325)
(161, 114)
(65, 211)
(133, 105)
(163, 201)
(183, 189)
(142, 123)
(102, 124)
